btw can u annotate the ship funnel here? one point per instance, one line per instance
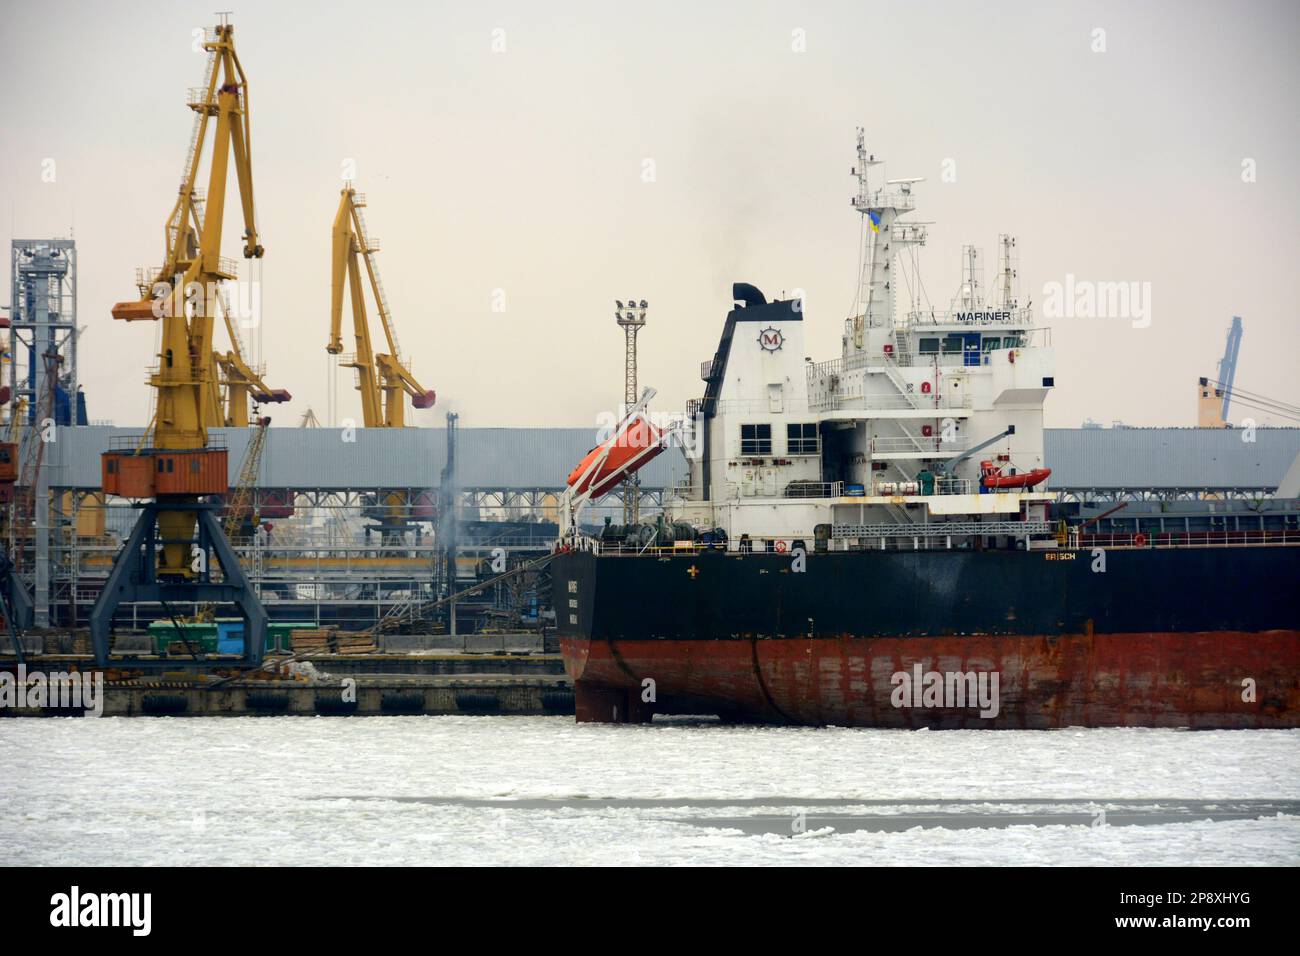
(748, 294)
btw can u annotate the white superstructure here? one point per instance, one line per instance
(891, 434)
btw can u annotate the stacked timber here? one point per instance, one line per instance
(359, 643)
(312, 640)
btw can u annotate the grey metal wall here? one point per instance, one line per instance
(525, 458)
(1155, 458)
(368, 458)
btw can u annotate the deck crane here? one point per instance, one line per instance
(171, 471)
(381, 378)
(194, 272)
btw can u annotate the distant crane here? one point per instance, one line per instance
(1213, 397)
(241, 499)
(383, 377)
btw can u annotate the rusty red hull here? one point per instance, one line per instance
(1203, 680)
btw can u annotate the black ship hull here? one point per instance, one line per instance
(1198, 636)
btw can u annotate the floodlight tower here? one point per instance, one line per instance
(632, 318)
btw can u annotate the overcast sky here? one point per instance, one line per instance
(523, 170)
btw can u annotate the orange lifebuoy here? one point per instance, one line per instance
(1140, 540)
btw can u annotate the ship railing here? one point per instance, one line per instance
(1255, 537)
(679, 495)
(908, 231)
(940, 530)
(756, 406)
(813, 489)
(943, 534)
(1005, 317)
(921, 445)
(955, 486)
(855, 399)
(580, 542)
(887, 197)
(750, 545)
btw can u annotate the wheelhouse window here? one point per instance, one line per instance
(992, 343)
(953, 344)
(928, 346)
(756, 439)
(801, 439)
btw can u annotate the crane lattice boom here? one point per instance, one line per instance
(382, 377)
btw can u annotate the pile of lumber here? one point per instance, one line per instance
(330, 640)
(357, 643)
(315, 640)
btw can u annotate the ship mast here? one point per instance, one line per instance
(1007, 274)
(879, 206)
(862, 203)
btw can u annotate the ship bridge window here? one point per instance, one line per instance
(756, 439)
(953, 344)
(992, 343)
(801, 439)
(928, 346)
(1011, 342)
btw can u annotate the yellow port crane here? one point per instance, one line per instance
(193, 271)
(381, 378)
(174, 472)
(192, 275)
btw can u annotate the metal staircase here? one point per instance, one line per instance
(891, 372)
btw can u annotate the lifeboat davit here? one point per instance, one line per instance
(992, 477)
(631, 447)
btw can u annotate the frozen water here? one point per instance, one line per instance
(502, 790)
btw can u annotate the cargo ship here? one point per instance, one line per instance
(873, 541)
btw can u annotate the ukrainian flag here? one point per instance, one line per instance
(875, 220)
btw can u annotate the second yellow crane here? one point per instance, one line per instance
(383, 378)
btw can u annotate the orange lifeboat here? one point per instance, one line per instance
(630, 448)
(991, 477)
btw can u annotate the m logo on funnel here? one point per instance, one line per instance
(770, 339)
